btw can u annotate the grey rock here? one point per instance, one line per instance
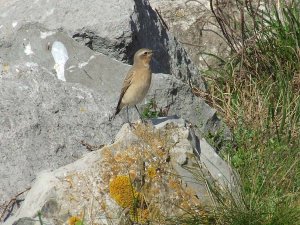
(86, 182)
(196, 28)
(33, 221)
(25, 221)
(213, 168)
(162, 121)
(43, 122)
(115, 28)
(47, 123)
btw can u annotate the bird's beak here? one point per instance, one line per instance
(151, 53)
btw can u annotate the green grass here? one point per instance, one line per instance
(257, 91)
(151, 111)
(269, 171)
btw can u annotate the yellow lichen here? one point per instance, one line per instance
(174, 184)
(81, 109)
(151, 171)
(122, 191)
(73, 220)
(149, 190)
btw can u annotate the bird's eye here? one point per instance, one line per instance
(145, 53)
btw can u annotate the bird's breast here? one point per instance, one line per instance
(138, 88)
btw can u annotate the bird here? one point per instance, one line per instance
(136, 83)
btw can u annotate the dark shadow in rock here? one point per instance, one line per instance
(25, 221)
(147, 34)
(159, 120)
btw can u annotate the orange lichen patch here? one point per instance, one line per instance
(160, 153)
(69, 180)
(133, 174)
(73, 220)
(140, 216)
(129, 159)
(155, 139)
(150, 190)
(103, 205)
(174, 184)
(106, 153)
(122, 191)
(118, 157)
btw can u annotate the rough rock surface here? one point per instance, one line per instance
(46, 123)
(195, 27)
(157, 160)
(117, 28)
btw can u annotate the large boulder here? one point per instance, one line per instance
(113, 27)
(47, 123)
(151, 172)
(195, 27)
(59, 83)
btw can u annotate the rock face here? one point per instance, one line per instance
(194, 25)
(45, 122)
(151, 164)
(113, 27)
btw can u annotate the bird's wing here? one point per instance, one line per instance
(126, 84)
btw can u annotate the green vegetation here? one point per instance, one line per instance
(257, 91)
(40, 218)
(151, 110)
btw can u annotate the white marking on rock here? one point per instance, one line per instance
(50, 12)
(60, 55)
(31, 64)
(71, 67)
(43, 35)
(14, 24)
(1, 26)
(28, 50)
(80, 65)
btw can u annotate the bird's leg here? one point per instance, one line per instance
(128, 115)
(139, 114)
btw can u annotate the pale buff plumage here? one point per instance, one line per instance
(137, 80)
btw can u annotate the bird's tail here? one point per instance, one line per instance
(118, 109)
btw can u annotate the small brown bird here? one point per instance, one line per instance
(137, 81)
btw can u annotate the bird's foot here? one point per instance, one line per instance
(144, 121)
(132, 125)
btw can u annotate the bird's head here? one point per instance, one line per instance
(143, 56)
